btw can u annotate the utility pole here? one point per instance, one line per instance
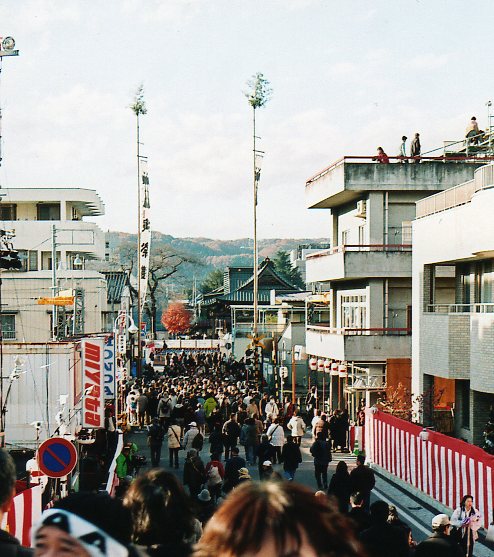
(258, 95)
(7, 48)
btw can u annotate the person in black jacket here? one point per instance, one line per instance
(339, 486)
(231, 433)
(360, 518)
(291, 458)
(383, 539)
(362, 479)
(264, 451)
(321, 451)
(439, 543)
(8, 544)
(216, 441)
(232, 468)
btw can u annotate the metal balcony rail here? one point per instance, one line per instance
(460, 308)
(361, 247)
(371, 159)
(458, 195)
(374, 331)
(8, 335)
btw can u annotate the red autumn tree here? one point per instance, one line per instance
(176, 318)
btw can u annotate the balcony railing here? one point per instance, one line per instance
(348, 331)
(460, 308)
(8, 335)
(361, 247)
(459, 195)
(370, 159)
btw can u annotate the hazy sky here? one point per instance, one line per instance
(347, 76)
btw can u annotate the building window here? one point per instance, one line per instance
(33, 260)
(8, 211)
(344, 237)
(361, 235)
(49, 211)
(8, 326)
(354, 312)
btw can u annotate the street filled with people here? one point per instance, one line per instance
(222, 479)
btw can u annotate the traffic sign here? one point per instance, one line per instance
(57, 457)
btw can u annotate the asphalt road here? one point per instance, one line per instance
(410, 509)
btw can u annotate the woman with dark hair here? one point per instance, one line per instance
(194, 473)
(340, 486)
(466, 521)
(162, 517)
(276, 518)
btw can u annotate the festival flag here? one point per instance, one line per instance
(145, 228)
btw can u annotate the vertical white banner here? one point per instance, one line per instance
(93, 384)
(110, 370)
(145, 227)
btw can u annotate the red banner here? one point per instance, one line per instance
(93, 405)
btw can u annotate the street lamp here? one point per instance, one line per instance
(258, 95)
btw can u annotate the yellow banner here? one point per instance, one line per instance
(56, 301)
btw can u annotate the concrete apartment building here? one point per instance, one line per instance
(453, 300)
(47, 220)
(360, 314)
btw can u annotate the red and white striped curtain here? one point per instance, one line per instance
(442, 467)
(23, 513)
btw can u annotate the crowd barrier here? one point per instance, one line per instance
(440, 466)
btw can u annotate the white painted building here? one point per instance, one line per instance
(47, 220)
(361, 312)
(453, 301)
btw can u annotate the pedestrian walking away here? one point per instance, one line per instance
(155, 440)
(363, 480)
(321, 451)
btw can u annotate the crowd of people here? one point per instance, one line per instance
(207, 507)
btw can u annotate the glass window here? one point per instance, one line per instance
(33, 260)
(49, 211)
(8, 326)
(353, 312)
(8, 211)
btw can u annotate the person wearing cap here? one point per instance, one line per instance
(83, 525)
(243, 476)
(8, 544)
(439, 543)
(190, 435)
(205, 506)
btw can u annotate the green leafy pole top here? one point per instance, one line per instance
(260, 91)
(139, 105)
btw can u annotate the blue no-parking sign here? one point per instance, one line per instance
(57, 457)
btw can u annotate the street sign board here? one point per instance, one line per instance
(110, 368)
(93, 408)
(57, 457)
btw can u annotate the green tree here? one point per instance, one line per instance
(212, 281)
(283, 266)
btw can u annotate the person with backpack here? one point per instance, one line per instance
(276, 435)
(321, 451)
(215, 473)
(164, 411)
(190, 435)
(155, 441)
(194, 473)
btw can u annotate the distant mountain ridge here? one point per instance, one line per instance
(217, 254)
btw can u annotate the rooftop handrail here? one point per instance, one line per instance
(457, 195)
(357, 331)
(360, 247)
(398, 159)
(481, 307)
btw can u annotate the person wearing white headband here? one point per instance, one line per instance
(63, 531)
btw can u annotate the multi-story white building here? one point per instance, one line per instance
(361, 312)
(453, 300)
(48, 221)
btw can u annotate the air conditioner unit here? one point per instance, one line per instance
(361, 209)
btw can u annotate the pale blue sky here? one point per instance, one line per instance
(347, 76)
